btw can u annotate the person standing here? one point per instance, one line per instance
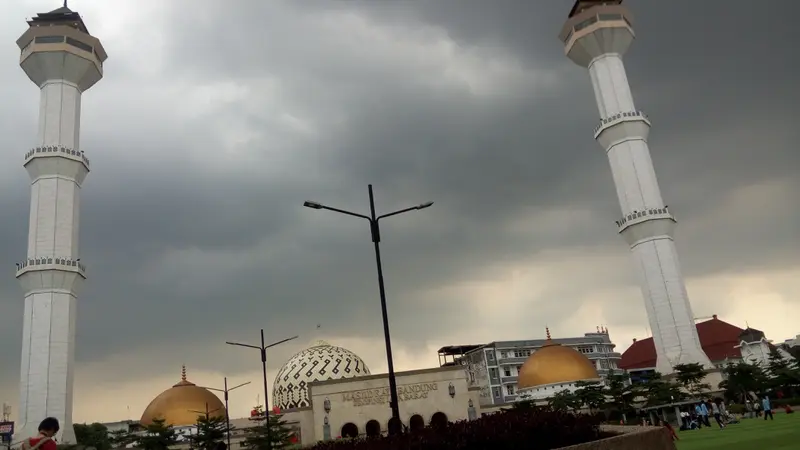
(704, 412)
(767, 408)
(44, 440)
(715, 409)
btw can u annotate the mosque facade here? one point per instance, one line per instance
(327, 392)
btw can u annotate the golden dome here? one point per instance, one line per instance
(181, 404)
(553, 364)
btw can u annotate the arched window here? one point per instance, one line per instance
(373, 428)
(416, 423)
(349, 430)
(394, 426)
(439, 420)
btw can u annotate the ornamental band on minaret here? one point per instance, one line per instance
(596, 36)
(60, 56)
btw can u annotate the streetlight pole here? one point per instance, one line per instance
(375, 232)
(263, 349)
(227, 411)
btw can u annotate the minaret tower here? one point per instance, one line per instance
(596, 36)
(63, 60)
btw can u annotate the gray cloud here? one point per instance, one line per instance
(206, 139)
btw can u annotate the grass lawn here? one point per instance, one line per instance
(783, 433)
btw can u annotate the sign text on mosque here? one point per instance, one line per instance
(380, 396)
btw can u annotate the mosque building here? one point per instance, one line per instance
(326, 392)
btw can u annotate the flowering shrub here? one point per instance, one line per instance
(529, 429)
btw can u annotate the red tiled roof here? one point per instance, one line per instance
(718, 339)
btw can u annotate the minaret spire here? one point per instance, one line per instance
(547, 329)
(183, 372)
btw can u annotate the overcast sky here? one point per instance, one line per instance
(216, 120)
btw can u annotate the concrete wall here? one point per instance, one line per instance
(632, 438)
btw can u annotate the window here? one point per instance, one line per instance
(496, 391)
(585, 23)
(585, 349)
(522, 353)
(490, 355)
(610, 16)
(506, 372)
(49, 39)
(493, 373)
(604, 364)
(510, 389)
(78, 44)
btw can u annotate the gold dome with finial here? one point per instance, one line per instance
(182, 404)
(553, 364)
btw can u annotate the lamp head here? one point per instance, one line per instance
(425, 205)
(312, 205)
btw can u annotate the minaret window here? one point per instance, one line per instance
(585, 23)
(610, 16)
(79, 44)
(49, 39)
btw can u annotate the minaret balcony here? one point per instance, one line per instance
(622, 126)
(641, 225)
(57, 160)
(48, 274)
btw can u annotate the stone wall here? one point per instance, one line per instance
(631, 438)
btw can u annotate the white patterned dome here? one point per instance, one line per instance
(319, 362)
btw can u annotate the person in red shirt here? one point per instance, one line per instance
(44, 440)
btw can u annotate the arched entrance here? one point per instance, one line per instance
(349, 430)
(439, 420)
(394, 426)
(373, 428)
(416, 423)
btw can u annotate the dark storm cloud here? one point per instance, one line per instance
(192, 224)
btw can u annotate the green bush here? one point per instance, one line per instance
(781, 402)
(736, 408)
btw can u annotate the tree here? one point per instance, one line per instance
(157, 436)
(621, 392)
(279, 433)
(590, 394)
(121, 438)
(210, 432)
(690, 377)
(659, 391)
(563, 401)
(94, 435)
(783, 373)
(742, 378)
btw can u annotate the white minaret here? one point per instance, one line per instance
(596, 35)
(63, 60)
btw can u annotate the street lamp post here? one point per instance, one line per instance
(375, 232)
(263, 349)
(227, 411)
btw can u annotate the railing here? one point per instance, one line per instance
(53, 150)
(620, 117)
(509, 379)
(40, 263)
(652, 213)
(512, 360)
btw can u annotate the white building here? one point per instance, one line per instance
(596, 36)
(495, 367)
(756, 348)
(60, 56)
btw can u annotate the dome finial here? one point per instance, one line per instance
(548, 333)
(183, 372)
